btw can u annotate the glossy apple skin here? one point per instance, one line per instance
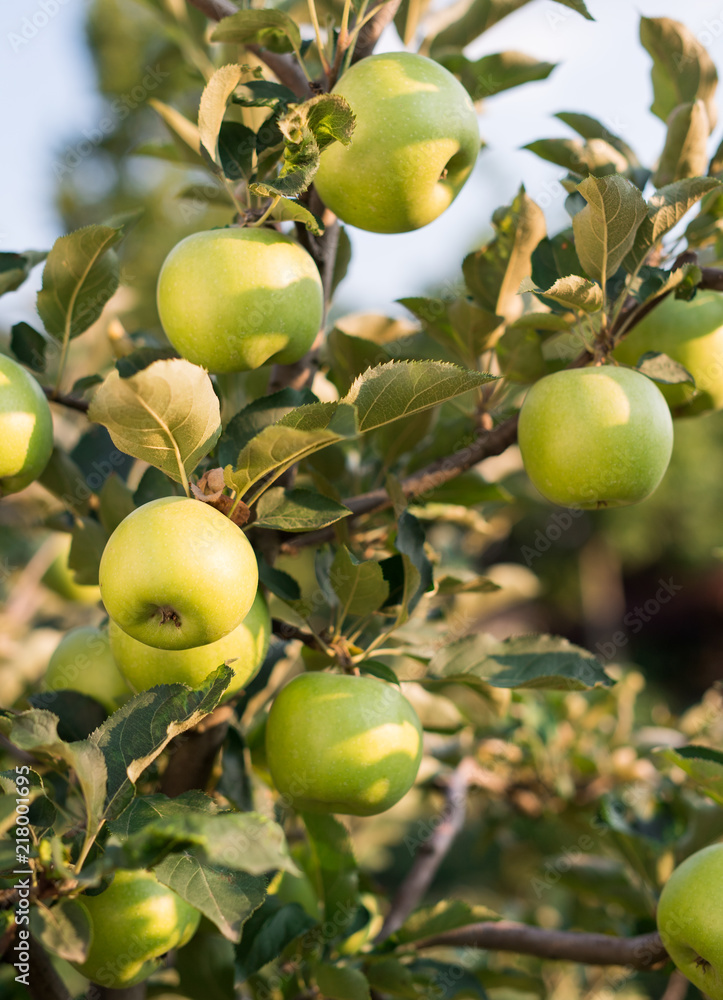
(243, 649)
(26, 428)
(595, 437)
(342, 744)
(233, 299)
(414, 121)
(690, 333)
(690, 919)
(177, 573)
(82, 661)
(134, 921)
(60, 579)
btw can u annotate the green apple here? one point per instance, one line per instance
(26, 428)
(414, 144)
(82, 661)
(177, 573)
(243, 649)
(59, 576)
(342, 744)
(690, 333)
(690, 919)
(595, 437)
(133, 923)
(233, 299)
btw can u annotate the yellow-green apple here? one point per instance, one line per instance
(82, 661)
(177, 573)
(342, 744)
(690, 919)
(595, 437)
(414, 144)
(133, 923)
(690, 333)
(59, 576)
(26, 428)
(243, 649)
(233, 299)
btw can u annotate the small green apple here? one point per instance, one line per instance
(133, 923)
(82, 661)
(26, 428)
(414, 144)
(177, 573)
(595, 437)
(690, 333)
(233, 299)
(344, 744)
(59, 576)
(690, 919)
(243, 649)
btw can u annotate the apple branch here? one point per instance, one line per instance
(371, 32)
(432, 852)
(44, 981)
(642, 952)
(192, 754)
(487, 443)
(72, 402)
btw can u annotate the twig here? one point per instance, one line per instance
(286, 631)
(432, 852)
(640, 952)
(192, 754)
(370, 33)
(72, 402)
(488, 443)
(677, 988)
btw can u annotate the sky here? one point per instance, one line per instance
(49, 98)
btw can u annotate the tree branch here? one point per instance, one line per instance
(45, 983)
(72, 402)
(370, 33)
(640, 952)
(192, 754)
(432, 851)
(487, 443)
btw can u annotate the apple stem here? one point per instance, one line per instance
(267, 213)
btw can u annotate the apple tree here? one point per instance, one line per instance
(269, 725)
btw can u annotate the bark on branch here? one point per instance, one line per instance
(192, 754)
(640, 952)
(72, 402)
(371, 32)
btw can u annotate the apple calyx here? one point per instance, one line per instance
(702, 963)
(169, 615)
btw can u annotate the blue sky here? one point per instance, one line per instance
(48, 92)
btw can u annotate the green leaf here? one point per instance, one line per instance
(432, 978)
(682, 71)
(376, 669)
(595, 156)
(86, 549)
(168, 415)
(555, 257)
(64, 929)
(334, 864)
(531, 661)
(478, 585)
(403, 580)
(591, 128)
(16, 267)
(29, 346)
(297, 510)
(179, 125)
(78, 714)
(263, 94)
(279, 583)
(493, 274)
(286, 210)
(269, 931)
(252, 419)
(116, 502)
(236, 145)
(307, 129)
(519, 353)
(661, 368)
(605, 229)
(80, 275)
(359, 586)
(579, 6)
(472, 21)
(213, 106)
(271, 29)
(139, 731)
(703, 764)
(665, 210)
(445, 916)
(138, 360)
(576, 293)
(494, 73)
(63, 479)
(341, 982)
(410, 543)
(685, 153)
(226, 898)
